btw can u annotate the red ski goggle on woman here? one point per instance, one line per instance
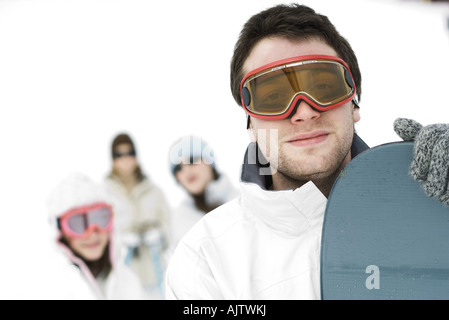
(271, 92)
(81, 221)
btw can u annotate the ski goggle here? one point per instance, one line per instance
(116, 155)
(271, 92)
(81, 221)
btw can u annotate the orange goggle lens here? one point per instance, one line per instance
(325, 82)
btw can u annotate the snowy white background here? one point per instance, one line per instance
(74, 73)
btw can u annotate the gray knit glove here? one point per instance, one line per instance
(431, 155)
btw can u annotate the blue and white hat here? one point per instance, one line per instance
(190, 149)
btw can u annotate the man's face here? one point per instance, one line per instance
(311, 145)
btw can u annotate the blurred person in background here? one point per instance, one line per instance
(142, 215)
(83, 219)
(192, 164)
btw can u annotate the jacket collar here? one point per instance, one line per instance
(287, 212)
(290, 213)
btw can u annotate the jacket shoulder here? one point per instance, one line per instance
(189, 275)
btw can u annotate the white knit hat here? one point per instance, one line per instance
(76, 190)
(190, 148)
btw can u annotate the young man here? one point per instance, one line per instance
(298, 80)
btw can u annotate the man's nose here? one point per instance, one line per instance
(304, 112)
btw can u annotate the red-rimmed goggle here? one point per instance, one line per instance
(81, 221)
(271, 92)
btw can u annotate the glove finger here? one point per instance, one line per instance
(407, 129)
(436, 182)
(424, 144)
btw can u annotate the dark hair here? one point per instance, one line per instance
(294, 22)
(121, 138)
(200, 199)
(124, 138)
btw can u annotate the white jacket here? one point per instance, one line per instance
(120, 284)
(263, 245)
(139, 212)
(186, 215)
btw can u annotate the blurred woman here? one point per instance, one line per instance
(83, 217)
(143, 215)
(192, 163)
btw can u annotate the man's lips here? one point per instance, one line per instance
(310, 138)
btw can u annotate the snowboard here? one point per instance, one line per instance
(383, 237)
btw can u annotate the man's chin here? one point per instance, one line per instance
(308, 169)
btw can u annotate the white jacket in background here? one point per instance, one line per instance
(186, 215)
(121, 283)
(139, 212)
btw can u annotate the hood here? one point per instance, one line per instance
(74, 191)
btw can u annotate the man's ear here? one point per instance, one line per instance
(356, 114)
